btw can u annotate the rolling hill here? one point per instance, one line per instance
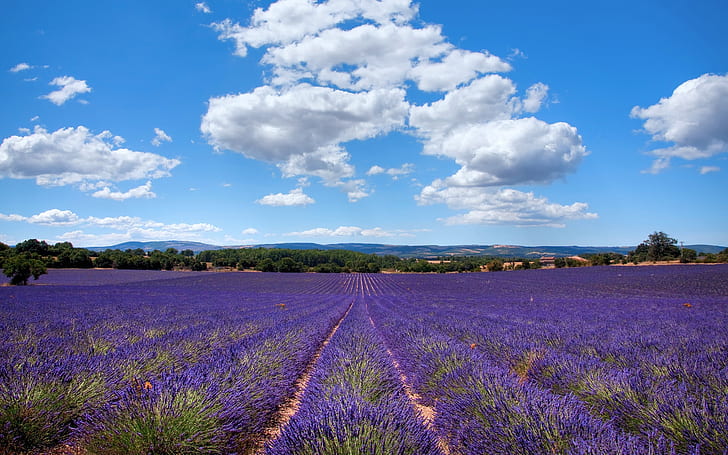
(407, 251)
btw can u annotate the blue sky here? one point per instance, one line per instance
(378, 121)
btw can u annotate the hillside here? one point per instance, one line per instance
(408, 251)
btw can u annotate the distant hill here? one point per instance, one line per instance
(408, 251)
(161, 246)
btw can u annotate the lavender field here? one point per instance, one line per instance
(599, 360)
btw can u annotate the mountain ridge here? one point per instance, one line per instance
(407, 251)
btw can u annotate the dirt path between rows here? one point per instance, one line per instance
(290, 408)
(427, 413)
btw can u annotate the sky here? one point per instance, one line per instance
(242, 122)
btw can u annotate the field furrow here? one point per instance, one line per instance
(600, 360)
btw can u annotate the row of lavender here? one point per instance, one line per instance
(198, 364)
(600, 361)
(589, 361)
(355, 401)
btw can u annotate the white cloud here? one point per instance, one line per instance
(70, 87)
(126, 227)
(301, 128)
(52, 217)
(516, 53)
(334, 76)
(509, 152)
(11, 217)
(134, 228)
(143, 191)
(286, 21)
(74, 156)
(486, 99)
(249, 231)
(330, 164)
(708, 169)
(367, 48)
(355, 189)
(342, 231)
(20, 67)
(159, 137)
(693, 118)
(658, 165)
(534, 97)
(203, 8)
(294, 197)
(457, 67)
(501, 206)
(395, 173)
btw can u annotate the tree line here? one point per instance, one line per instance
(33, 257)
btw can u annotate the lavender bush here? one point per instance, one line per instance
(601, 360)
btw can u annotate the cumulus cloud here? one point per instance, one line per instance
(272, 125)
(75, 156)
(693, 119)
(143, 191)
(52, 217)
(287, 21)
(534, 97)
(395, 173)
(367, 48)
(486, 99)
(334, 76)
(501, 206)
(342, 231)
(294, 197)
(300, 128)
(203, 8)
(355, 189)
(249, 231)
(20, 67)
(509, 152)
(126, 227)
(69, 88)
(159, 137)
(455, 68)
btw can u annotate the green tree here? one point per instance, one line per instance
(33, 246)
(496, 265)
(658, 247)
(21, 267)
(688, 255)
(288, 265)
(267, 265)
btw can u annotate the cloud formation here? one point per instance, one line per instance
(343, 231)
(295, 197)
(395, 173)
(693, 119)
(69, 88)
(501, 206)
(300, 128)
(203, 7)
(20, 67)
(127, 227)
(335, 77)
(159, 137)
(142, 191)
(74, 156)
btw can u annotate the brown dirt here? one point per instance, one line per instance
(426, 413)
(290, 408)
